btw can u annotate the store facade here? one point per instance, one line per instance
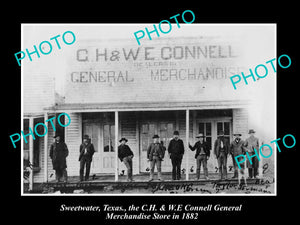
(114, 89)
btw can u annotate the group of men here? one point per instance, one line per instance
(156, 154)
(59, 152)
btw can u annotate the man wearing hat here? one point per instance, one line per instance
(125, 155)
(155, 155)
(202, 155)
(176, 151)
(87, 151)
(58, 153)
(236, 148)
(221, 150)
(250, 144)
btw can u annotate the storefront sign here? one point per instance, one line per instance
(182, 69)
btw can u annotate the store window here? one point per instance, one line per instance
(109, 138)
(205, 128)
(225, 126)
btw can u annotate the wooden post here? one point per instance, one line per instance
(46, 150)
(116, 143)
(187, 131)
(30, 140)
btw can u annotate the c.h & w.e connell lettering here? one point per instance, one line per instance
(152, 53)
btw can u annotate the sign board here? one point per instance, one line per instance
(167, 69)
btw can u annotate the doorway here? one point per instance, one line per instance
(165, 131)
(210, 128)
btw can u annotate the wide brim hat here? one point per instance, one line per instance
(56, 135)
(251, 131)
(123, 139)
(155, 136)
(176, 132)
(200, 135)
(237, 135)
(86, 136)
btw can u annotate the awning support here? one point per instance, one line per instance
(187, 125)
(31, 155)
(46, 150)
(116, 143)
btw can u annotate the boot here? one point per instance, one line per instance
(198, 174)
(225, 172)
(159, 176)
(220, 173)
(250, 173)
(235, 175)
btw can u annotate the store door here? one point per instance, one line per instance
(211, 128)
(147, 130)
(93, 130)
(108, 149)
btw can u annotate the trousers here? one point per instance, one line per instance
(176, 167)
(128, 163)
(253, 172)
(155, 161)
(236, 167)
(61, 175)
(201, 159)
(85, 162)
(222, 164)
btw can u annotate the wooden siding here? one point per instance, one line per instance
(73, 141)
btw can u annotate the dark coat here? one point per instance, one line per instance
(198, 147)
(124, 151)
(90, 150)
(217, 146)
(160, 151)
(58, 154)
(249, 145)
(176, 148)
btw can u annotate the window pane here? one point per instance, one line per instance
(95, 143)
(226, 128)
(151, 130)
(94, 138)
(201, 128)
(170, 129)
(163, 126)
(208, 140)
(112, 138)
(219, 127)
(145, 128)
(163, 136)
(145, 142)
(106, 138)
(208, 129)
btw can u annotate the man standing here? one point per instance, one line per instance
(250, 144)
(236, 148)
(87, 151)
(176, 151)
(155, 155)
(202, 155)
(58, 154)
(125, 155)
(221, 150)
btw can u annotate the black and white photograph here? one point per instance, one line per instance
(143, 109)
(143, 113)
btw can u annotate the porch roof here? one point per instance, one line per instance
(146, 106)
